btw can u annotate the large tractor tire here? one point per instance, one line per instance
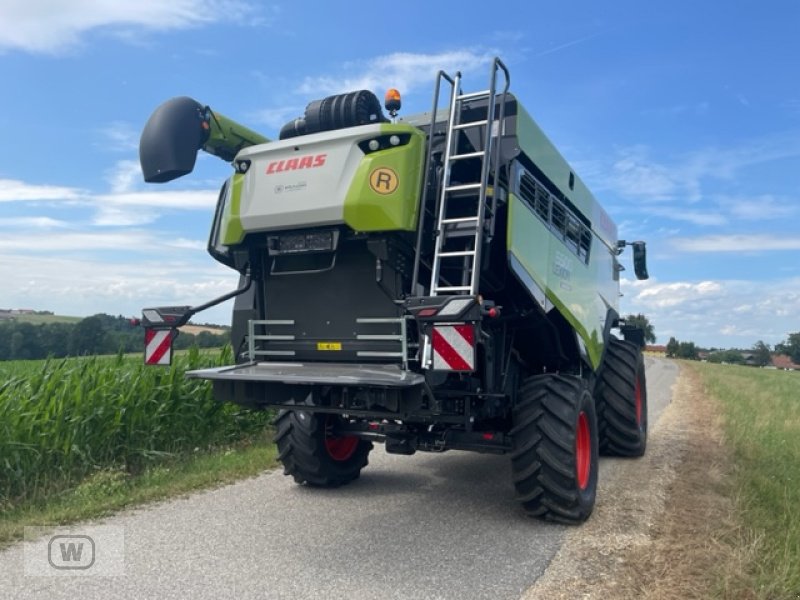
(622, 400)
(554, 458)
(314, 454)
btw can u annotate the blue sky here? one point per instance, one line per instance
(682, 117)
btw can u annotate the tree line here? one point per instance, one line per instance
(760, 354)
(98, 334)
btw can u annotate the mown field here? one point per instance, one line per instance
(65, 421)
(761, 410)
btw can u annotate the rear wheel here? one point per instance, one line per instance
(554, 448)
(622, 400)
(315, 452)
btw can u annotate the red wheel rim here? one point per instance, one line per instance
(583, 451)
(637, 397)
(339, 447)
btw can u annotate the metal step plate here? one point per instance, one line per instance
(314, 373)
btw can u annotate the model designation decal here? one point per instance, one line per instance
(329, 345)
(562, 266)
(310, 161)
(383, 180)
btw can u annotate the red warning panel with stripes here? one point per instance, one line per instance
(158, 346)
(453, 347)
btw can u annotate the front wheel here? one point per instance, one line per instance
(314, 452)
(554, 458)
(622, 400)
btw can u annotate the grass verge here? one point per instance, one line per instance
(761, 410)
(110, 490)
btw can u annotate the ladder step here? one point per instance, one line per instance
(453, 288)
(468, 155)
(471, 124)
(473, 95)
(460, 220)
(459, 253)
(465, 186)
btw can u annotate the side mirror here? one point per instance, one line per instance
(640, 260)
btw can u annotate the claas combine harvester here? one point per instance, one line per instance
(436, 282)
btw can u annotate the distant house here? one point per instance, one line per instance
(7, 315)
(782, 361)
(749, 359)
(655, 349)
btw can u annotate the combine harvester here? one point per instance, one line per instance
(442, 281)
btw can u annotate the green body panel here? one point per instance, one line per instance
(581, 292)
(231, 225)
(365, 209)
(226, 137)
(540, 150)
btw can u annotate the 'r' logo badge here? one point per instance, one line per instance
(383, 180)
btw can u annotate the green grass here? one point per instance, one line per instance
(762, 425)
(64, 420)
(113, 489)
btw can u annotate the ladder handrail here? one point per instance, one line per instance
(492, 150)
(440, 205)
(426, 176)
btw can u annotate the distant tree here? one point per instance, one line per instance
(643, 323)
(24, 342)
(687, 350)
(791, 347)
(762, 355)
(733, 357)
(672, 347)
(89, 337)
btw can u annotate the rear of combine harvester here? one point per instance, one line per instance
(438, 282)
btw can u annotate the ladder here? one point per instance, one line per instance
(463, 211)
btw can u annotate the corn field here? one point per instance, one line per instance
(61, 420)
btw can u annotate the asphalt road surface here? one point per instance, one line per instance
(421, 527)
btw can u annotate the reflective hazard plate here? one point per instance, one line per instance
(453, 347)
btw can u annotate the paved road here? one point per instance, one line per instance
(422, 527)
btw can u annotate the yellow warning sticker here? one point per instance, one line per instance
(383, 180)
(329, 345)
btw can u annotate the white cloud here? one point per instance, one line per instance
(675, 293)
(402, 70)
(50, 26)
(634, 174)
(760, 208)
(277, 117)
(12, 190)
(566, 45)
(696, 217)
(182, 199)
(119, 136)
(719, 313)
(32, 223)
(81, 286)
(124, 176)
(80, 241)
(737, 243)
(115, 216)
